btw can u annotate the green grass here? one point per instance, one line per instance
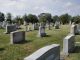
(19, 51)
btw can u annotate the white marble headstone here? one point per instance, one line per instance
(50, 52)
(68, 44)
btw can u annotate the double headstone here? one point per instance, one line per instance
(10, 28)
(51, 52)
(17, 37)
(41, 32)
(68, 44)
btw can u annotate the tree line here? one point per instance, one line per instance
(42, 18)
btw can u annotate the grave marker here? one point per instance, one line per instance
(51, 52)
(68, 44)
(17, 36)
(10, 28)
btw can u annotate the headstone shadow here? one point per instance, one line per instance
(48, 36)
(76, 49)
(24, 42)
(1, 49)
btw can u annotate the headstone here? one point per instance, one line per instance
(57, 24)
(78, 28)
(17, 37)
(35, 26)
(1, 24)
(4, 24)
(51, 52)
(25, 23)
(28, 28)
(25, 28)
(41, 32)
(73, 29)
(68, 44)
(70, 23)
(17, 25)
(10, 28)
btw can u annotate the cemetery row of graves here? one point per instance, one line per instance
(43, 40)
(47, 50)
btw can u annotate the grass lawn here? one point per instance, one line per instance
(19, 51)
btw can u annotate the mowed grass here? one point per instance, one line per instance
(19, 51)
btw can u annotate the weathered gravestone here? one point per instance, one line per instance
(57, 24)
(18, 26)
(68, 44)
(78, 28)
(41, 32)
(28, 28)
(17, 37)
(51, 52)
(10, 28)
(1, 24)
(4, 24)
(35, 26)
(73, 29)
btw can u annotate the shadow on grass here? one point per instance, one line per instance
(48, 36)
(1, 49)
(76, 49)
(24, 42)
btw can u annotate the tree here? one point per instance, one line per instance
(2, 17)
(45, 17)
(42, 18)
(76, 19)
(9, 18)
(32, 18)
(55, 18)
(65, 18)
(25, 18)
(18, 20)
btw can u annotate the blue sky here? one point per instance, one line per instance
(55, 7)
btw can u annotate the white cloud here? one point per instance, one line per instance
(57, 7)
(68, 4)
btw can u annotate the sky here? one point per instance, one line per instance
(55, 7)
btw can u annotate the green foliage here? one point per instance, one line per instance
(76, 19)
(9, 18)
(55, 18)
(25, 18)
(65, 18)
(45, 17)
(18, 20)
(32, 18)
(2, 17)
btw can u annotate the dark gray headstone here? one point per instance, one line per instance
(10, 28)
(41, 32)
(17, 37)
